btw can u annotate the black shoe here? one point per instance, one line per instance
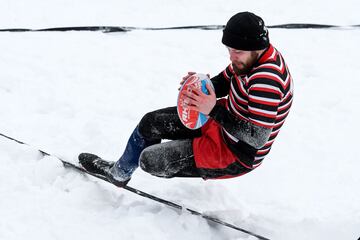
(94, 164)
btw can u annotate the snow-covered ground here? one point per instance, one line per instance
(85, 91)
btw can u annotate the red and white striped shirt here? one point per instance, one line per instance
(262, 97)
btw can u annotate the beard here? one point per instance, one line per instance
(241, 68)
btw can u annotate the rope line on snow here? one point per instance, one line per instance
(109, 29)
(146, 195)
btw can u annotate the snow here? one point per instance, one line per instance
(66, 93)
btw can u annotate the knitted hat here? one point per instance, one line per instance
(246, 31)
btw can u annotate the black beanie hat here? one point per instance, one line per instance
(246, 31)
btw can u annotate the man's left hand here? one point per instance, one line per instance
(199, 101)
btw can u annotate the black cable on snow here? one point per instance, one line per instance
(109, 29)
(146, 195)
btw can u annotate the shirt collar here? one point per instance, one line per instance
(268, 53)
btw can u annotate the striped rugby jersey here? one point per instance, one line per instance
(262, 97)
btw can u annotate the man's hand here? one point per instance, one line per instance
(195, 99)
(189, 74)
(186, 78)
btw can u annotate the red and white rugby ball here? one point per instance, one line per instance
(190, 118)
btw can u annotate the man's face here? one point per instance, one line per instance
(242, 61)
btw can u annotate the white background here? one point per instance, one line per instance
(69, 92)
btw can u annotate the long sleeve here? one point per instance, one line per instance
(221, 82)
(245, 131)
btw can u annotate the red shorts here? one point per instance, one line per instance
(212, 154)
(210, 150)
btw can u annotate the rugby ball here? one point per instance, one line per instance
(190, 118)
